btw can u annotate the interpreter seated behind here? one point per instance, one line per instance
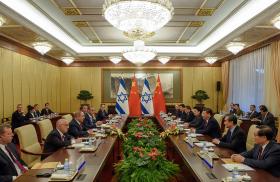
(252, 113)
(46, 111)
(265, 154)
(76, 128)
(235, 138)
(11, 165)
(58, 138)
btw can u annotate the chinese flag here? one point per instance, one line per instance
(134, 99)
(159, 101)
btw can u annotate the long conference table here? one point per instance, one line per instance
(100, 164)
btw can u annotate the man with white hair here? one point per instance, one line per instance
(58, 138)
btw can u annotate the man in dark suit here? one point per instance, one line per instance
(89, 122)
(58, 138)
(46, 110)
(267, 118)
(265, 154)
(188, 116)
(211, 126)
(253, 113)
(18, 117)
(232, 109)
(37, 110)
(30, 113)
(102, 113)
(197, 122)
(182, 111)
(235, 138)
(76, 128)
(11, 165)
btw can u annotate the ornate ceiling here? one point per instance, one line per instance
(193, 24)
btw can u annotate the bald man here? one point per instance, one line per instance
(76, 127)
(58, 138)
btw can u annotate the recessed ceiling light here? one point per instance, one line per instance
(235, 47)
(211, 60)
(42, 47)
(67, 60)
(115, 59)
(164, 59)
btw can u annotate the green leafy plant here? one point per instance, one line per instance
(200, 95)
(144, 155)
(84, 95)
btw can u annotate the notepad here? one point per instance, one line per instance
(208, 144)
(45, 165)
(62, 175)
(228, 161)
(240, 167)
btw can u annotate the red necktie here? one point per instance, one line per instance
(260, 153)
(20, 166)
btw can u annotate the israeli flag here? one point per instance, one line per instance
(147, 99)
(122, 99)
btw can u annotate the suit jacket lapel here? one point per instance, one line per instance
(266, 149)
(4, 155)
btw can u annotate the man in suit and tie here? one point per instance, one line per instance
(58, 138)
(11, 165)
(18, 117)
(183, 114)
(102, 113)
(235, 138)
(30, 113)
(189, 116)
(265, 154)
(253, 113)
(267, 118)
(37, 110)
(46, 111)
(76, 128)
(211, 126)
(89, 122)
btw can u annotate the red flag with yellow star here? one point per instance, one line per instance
(134, 99)
(159, 100)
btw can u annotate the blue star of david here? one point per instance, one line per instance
(122, 97)
(146, 97)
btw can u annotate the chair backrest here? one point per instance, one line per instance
(239, 122)
(68, 117)
(45, 128)
(219, 118)
(250, 137)
(28, 141)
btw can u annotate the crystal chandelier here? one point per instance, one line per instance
(235, 47)
(115, 59)
(42, 47)
(138, 17)
(163, 59)
(211, 60)
(139, 54)
(67, 60)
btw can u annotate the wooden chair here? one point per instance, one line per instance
(219, 118)
(30, 147)
(45, 128)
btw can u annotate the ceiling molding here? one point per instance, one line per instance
(153, 63)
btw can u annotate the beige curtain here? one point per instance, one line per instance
(225, 83)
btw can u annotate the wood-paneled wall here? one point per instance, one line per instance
(27, 81)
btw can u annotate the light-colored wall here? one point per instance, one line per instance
(27, 81)
(74, 79)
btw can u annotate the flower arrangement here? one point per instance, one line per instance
(172, 130)
(144, 155)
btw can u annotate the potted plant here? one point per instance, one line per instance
(200, 95)
(84, 95)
